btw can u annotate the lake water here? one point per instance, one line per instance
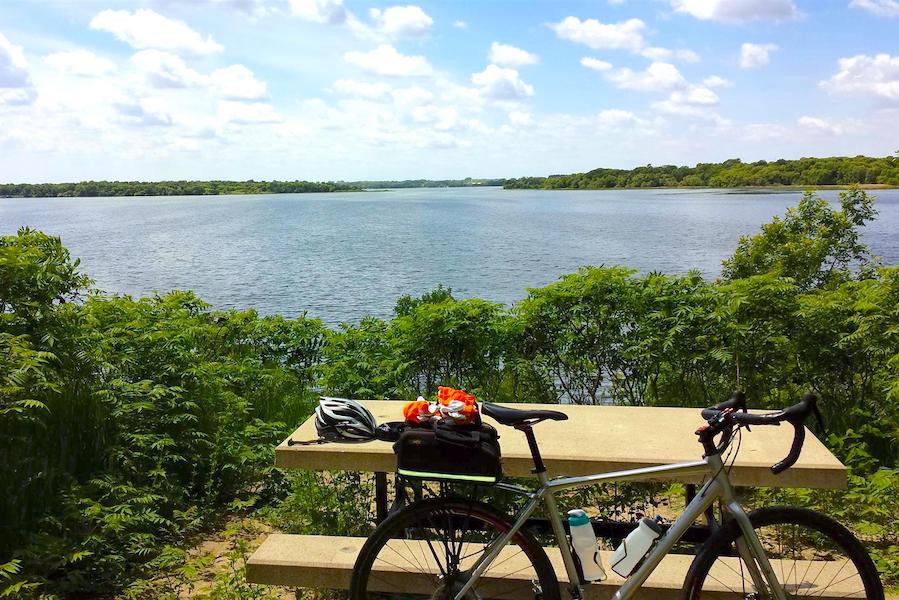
(343, 256)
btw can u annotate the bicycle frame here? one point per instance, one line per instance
(718, 487)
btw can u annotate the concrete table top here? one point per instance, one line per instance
(595, 439)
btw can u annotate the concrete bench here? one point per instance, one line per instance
(595, 439)
(326, 562)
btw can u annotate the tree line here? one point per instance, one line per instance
(837, 170)
(166, 188)
(428, 183)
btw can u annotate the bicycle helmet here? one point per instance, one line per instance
(343, 420)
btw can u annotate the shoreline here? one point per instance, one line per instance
(748, 188)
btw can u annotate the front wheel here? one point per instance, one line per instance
(427, 550)
(811, 555)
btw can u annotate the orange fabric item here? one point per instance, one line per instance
(458, 405)
(445, 395)
(417, 411)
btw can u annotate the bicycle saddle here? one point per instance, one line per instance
(517, 416)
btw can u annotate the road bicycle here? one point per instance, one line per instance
(463, 549)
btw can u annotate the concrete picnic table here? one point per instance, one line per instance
(594, 439)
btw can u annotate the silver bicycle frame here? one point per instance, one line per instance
(717, 487)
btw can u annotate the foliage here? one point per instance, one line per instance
(428, 183)
(406, 304)
(212, 188)
(837, 170)
(147, 420)
(330, 503)
(166, 188)
(812, 244)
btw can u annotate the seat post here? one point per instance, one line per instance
(539, 467)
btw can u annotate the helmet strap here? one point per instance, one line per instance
(293, 442)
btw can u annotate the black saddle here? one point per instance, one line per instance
(516, 416)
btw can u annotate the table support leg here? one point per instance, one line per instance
(381, 496)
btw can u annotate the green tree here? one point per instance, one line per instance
(813, 244)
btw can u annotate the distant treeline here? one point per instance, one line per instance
(166, 188)
(428, 183)
(837, 170)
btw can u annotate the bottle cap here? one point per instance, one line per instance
(577, 517)
(653, 524)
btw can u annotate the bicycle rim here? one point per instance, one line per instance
(811, 556)
(428, 550)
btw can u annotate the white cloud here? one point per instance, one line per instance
(145, 28)
(683, 54)
(882, 8)
(144, 112)
(693, 101)
(13, 66)
(520, 117)
(237, 83)
(248, 113)
(626, 35)
(440, 118)
(329, 12)
(615, 117)
(505, 55)
(460, 24)
(866, 75)
(695, 94)
(401, 21)
(595, 64)
(16, 96)
(411, 96)
(658, 76)
(166, 70)
(737, 11)
(753, 56)
(80, 62)
(715, 81)
(498, 83)
(385, 60)
(350, 88)
(819, 125)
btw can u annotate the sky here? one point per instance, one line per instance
(353, 90)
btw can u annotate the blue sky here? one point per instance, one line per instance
(331, 89)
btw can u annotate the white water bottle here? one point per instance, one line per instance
(635, 546)
(584, 542)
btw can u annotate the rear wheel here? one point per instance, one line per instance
(811, 555)
(427, 550)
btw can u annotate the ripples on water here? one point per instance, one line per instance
(344, 256)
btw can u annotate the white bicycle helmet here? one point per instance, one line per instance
(344, 420)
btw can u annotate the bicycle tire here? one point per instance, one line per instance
(721, 544)
(398, 526)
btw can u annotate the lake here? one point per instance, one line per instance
(343, 256)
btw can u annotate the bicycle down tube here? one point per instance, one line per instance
(718, 487)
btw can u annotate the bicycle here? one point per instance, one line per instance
(463, 549)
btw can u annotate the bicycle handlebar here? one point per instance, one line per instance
(723, 417)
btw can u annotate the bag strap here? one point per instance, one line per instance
(466, 439)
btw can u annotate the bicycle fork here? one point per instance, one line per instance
(749, 547)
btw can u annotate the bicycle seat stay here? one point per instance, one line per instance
(516, 416)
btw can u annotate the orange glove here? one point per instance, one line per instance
(418, 411)
(458, 406)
